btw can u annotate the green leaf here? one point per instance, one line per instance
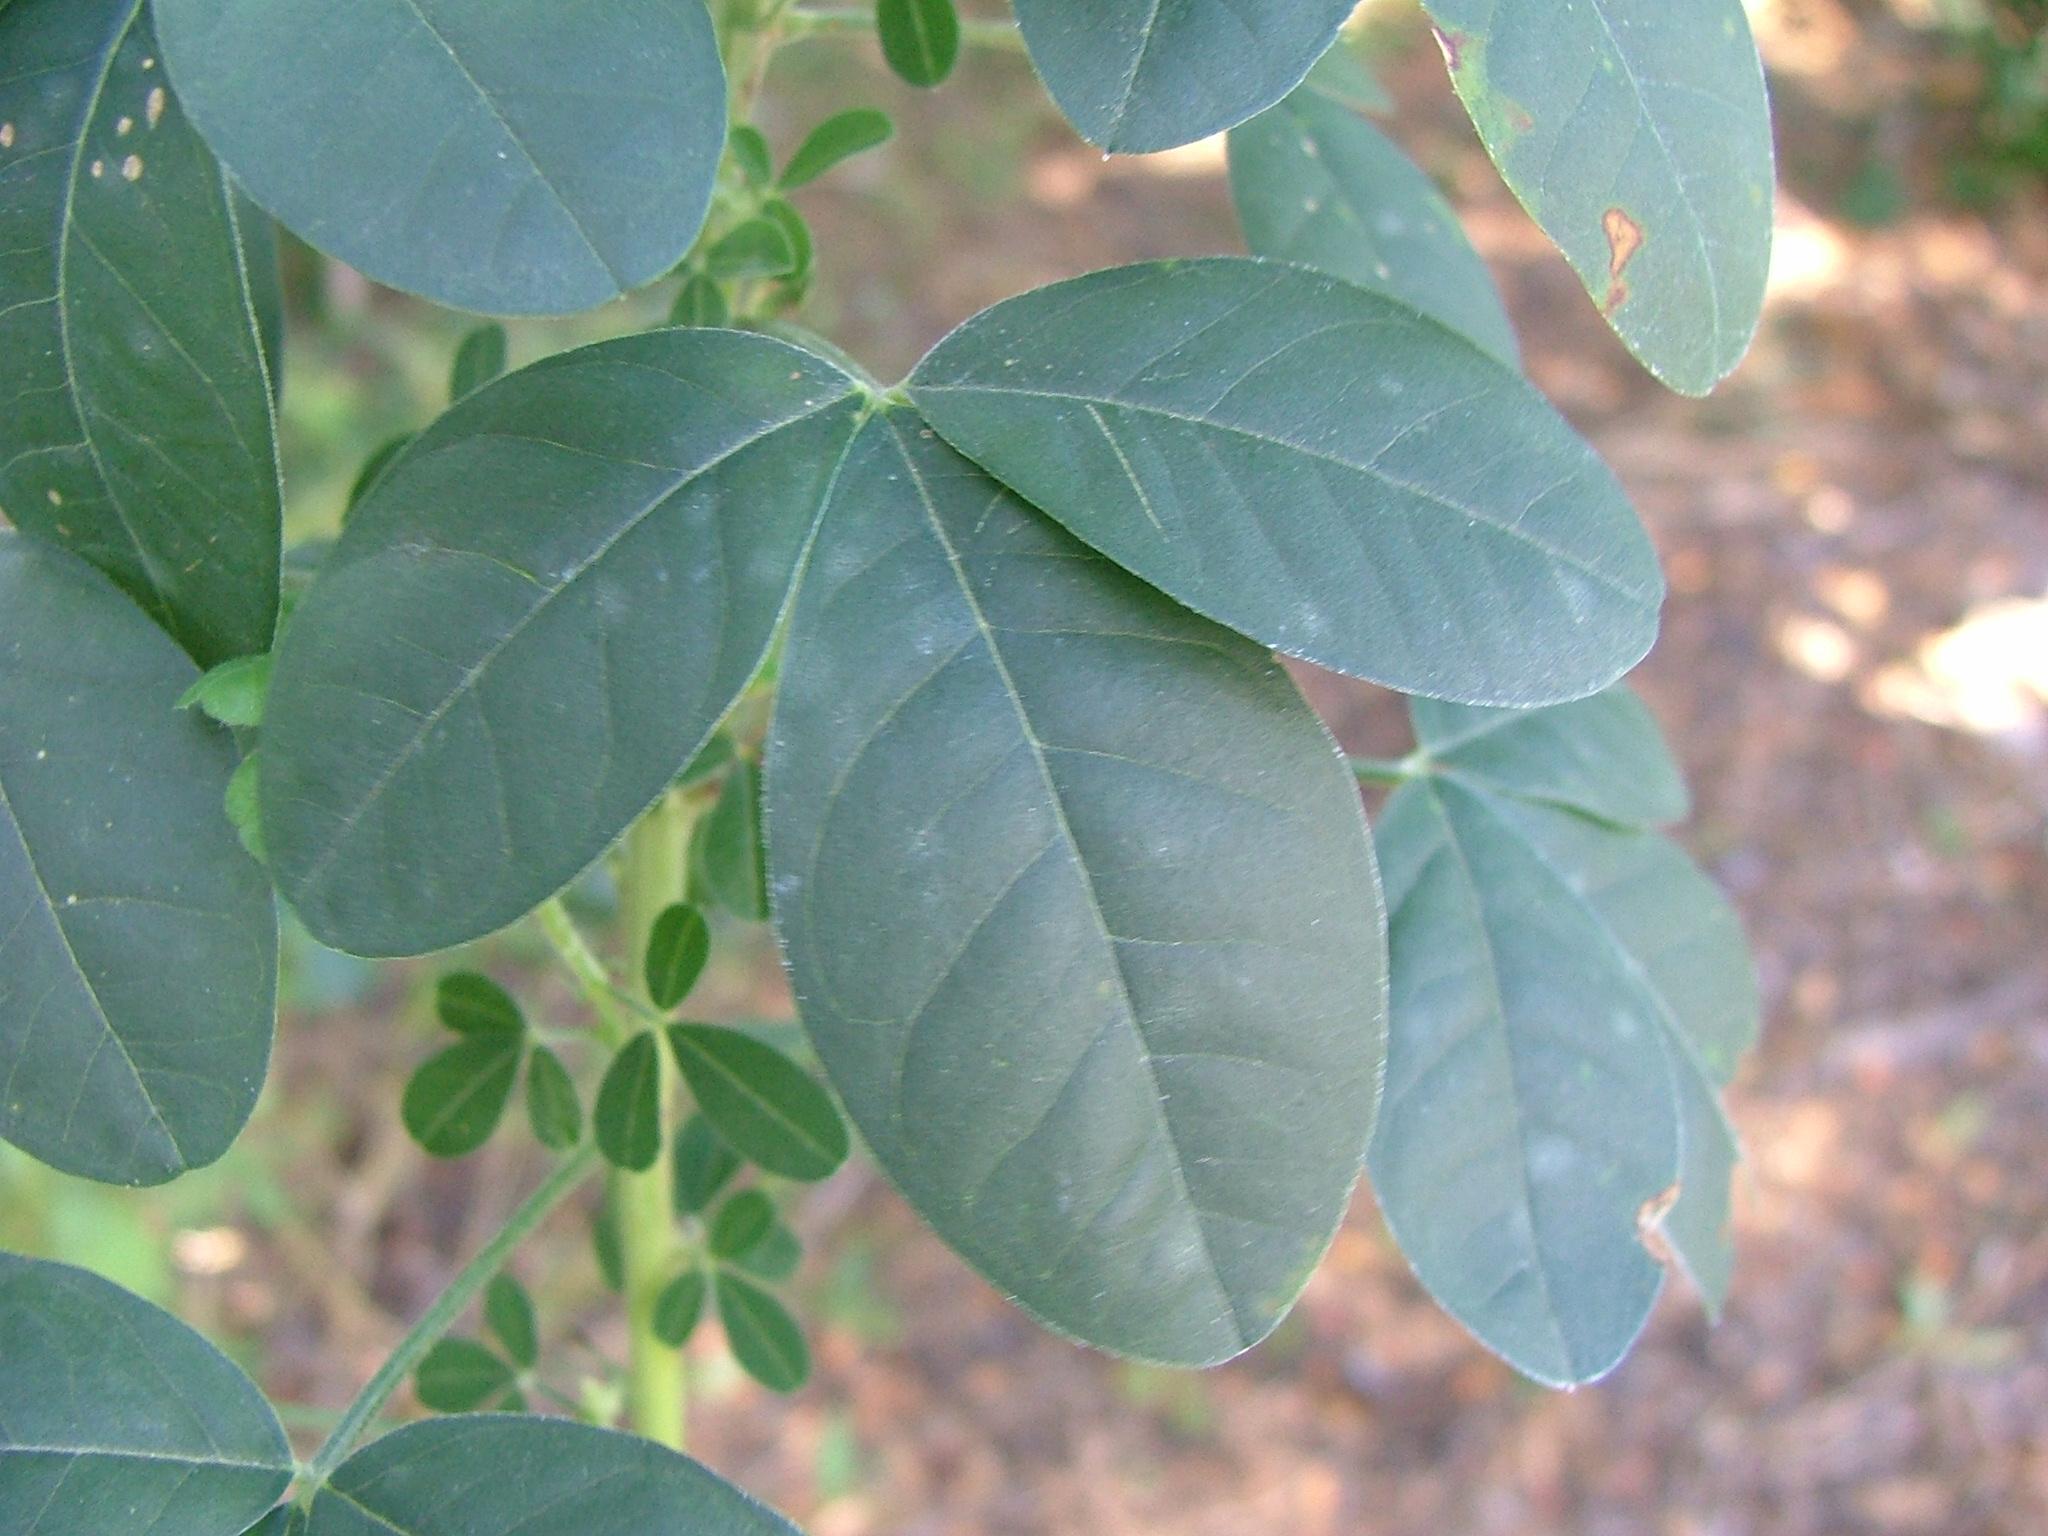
(753, 248)
(1139, 75)
(459, 1375)
(456, 1098)
(1680, 936)
(534, 622)
(508, 1313)
(762, 1335)
(839, 138)
(920, 38)
(135, 410)
(775, 1257)
(676, 952)
(484, 156)
(472, 1004)
(1317, 185)
(741, 1223)
(751, 154)
(552, 1107)
(1529, 1118)
(716, 755)
(1344, 75)
(139, 980)
(678, 1307)
(700, 301)
(381, 459)
(514, 1475)
(628, 1111)
(257, 235)
(1638, 134)
(1602, 756)
(704, 1165)
(1316, 466)
(478, 360)
(763, 1105)
(1096, 970)
(114, 1408)
(239, 801)
(285, 1520)
(233, 692)
(795, 231)
(730, 850)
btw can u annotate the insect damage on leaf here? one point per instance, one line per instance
(1624, 239)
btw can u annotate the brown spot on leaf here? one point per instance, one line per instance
(1624, 239)
(1650, 1224)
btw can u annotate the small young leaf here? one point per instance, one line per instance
(796, 231)
(775, 1257)
(920, 38)
(763, 1337)
(676, 952)
(473, 1004)
(551, 1103)
(459, 1375)
(240, 804)
(628, 1111)
(839, 138)
(755, 248)
(749, 147)
(741, 1222)
(480, 359)
(700, 302)
(704, 1165)
(233, 692)
(678, 1307)
(374, 466)
(455, 1099)
(606, 1246)
(730, 847)
(508, 1313)
(765, 1106)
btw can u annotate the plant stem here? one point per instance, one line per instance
(650, 878)
(825, 20)
(448, 1306)
(1387, 770)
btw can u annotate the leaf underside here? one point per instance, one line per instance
(114, 1416)
(1319, 467)
(477, 152)
(1097, 970)
(138, 942)
(1140, 75)
(1638, 134)
(135, 415)
(1316, 184)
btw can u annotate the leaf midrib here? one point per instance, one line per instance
(1177, 1161)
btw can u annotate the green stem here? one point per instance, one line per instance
(827, 20)
(651, 877)
(1388, 770)
(448, 1306)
